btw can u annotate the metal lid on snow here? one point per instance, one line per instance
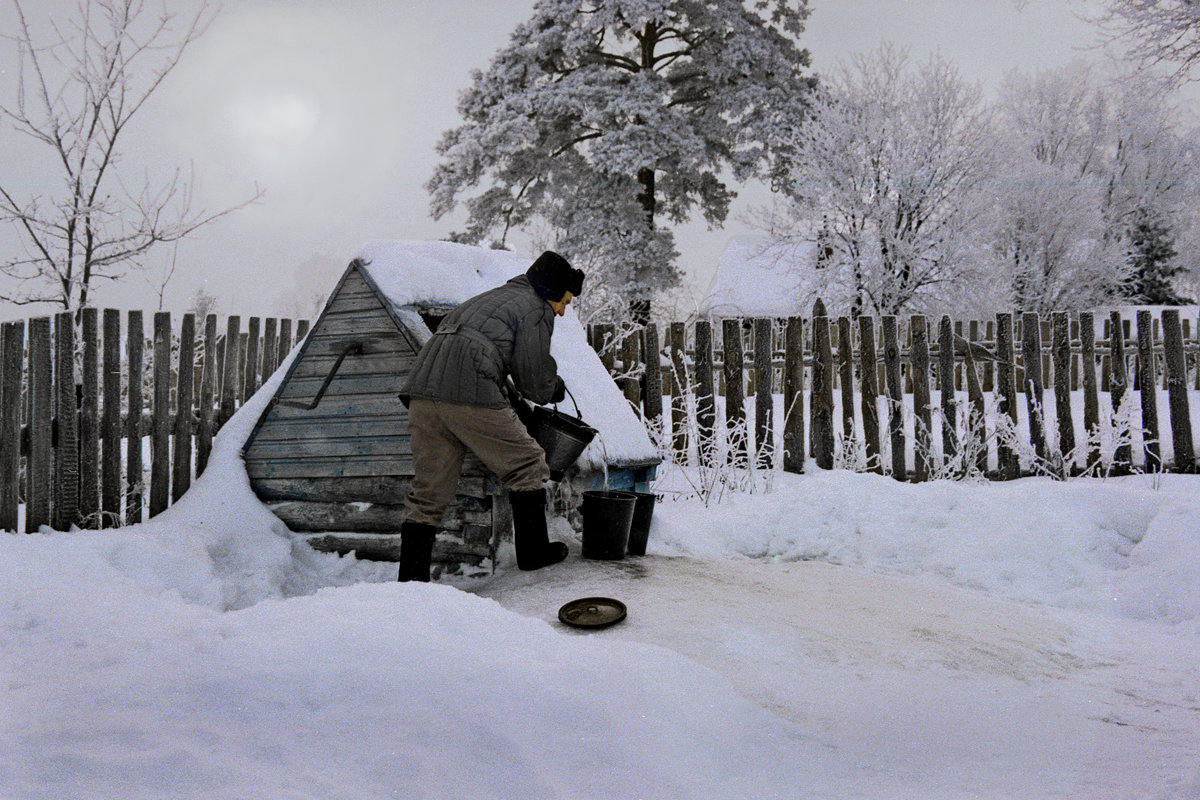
(592, 612)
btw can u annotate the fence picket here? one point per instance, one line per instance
(793, 396)
(135, 344)
(208, 388)
(270, 350)
(285, 341)
(1118, 385)
(1196, 360)
(764, 386)
(1061, 352)
(735, 412)
(946, 372)
(160, 431)
(229, 381)
(1147, 392)
(89, 423)
(706, 407)
(652, 391)
(1006, 380)
(989, 367)
(1032, 384)
(869, 396)
(1177, 399)
(846, 373)
(821, 393)
(250, 370)
(41, 412)
(1091, 398)
(181, 472)
(110, 425)
(895, 395)
(243, 343)
(919, 359)
(977, 417)
(679, 385)
(631, 385)
(12, 345)
(66, 446)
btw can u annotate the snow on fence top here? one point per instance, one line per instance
(422, 273)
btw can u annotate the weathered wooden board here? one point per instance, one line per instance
(300, 515)
(327, 467)
(307, 388)
(335, 406)
(321, 426)
(362, 466)
(352, 447)
(353, 301)
(369, 489)
(387, 337)
(319, 366)
(353, 327)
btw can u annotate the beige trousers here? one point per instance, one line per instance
(441, 435)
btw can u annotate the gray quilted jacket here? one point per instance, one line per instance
(504, 331)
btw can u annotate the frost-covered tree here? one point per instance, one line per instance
(1086, 160)
(891, 159)
(1050, 231)
(202, 303)
(603, 118)
(78, 89)
(1150, 202)
(1156, 31)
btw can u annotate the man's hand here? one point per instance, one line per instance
(560, 391)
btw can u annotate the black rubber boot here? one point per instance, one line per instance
(534, 548)
(416, 551)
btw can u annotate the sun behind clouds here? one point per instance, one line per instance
(268, 118)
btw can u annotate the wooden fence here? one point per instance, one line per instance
(807, 360)
(79, 401)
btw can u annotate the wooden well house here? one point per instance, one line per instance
(331, 454)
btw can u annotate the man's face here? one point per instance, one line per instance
(560, 306)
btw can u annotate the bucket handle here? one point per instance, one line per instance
(568, 391)
(515, 397)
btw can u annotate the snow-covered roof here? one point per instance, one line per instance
(758, 278)
(415, 273)
(437, 273)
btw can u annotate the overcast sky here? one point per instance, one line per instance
(334, 109)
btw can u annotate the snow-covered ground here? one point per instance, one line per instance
(841, 636)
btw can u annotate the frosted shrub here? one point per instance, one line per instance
(725, 457)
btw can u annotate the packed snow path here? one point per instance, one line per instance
(912, 688)
(842, 636)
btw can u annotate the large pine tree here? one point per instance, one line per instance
(603, 117)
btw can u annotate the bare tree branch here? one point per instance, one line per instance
(77, 93)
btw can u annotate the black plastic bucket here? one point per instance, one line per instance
(639, 529)
(563, 437)
(607, 517)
